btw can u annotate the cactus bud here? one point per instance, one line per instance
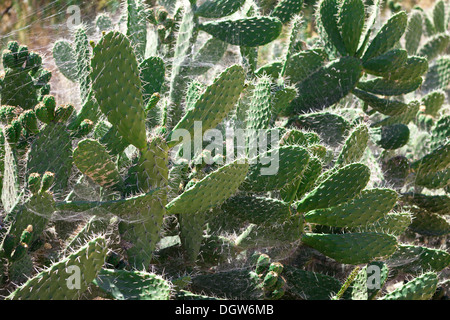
(27, 235)
(276, 267)
(13, 46)
(85, 128)
(34, 62)
(13, 131)
(9, 59)
(63, 113)
(262, 264)
(44, 78)
(34, 183)
(151, 17)
(162, 15)
(22, 55)
(42, 114)
(7, 114)
(28, 120)
(47, 181)
(152, 102)
(50, 103)
(270, 280)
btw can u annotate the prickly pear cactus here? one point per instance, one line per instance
(217, 149)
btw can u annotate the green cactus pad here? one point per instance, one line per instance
(436, 204)
(93, 160)
(393, 223)
(429, 224)
(332, 128)
(191, 233)
(36, 212)
(329, 16)
(420, 288)
(187, 35)
(137, 27)
(417, 259)
(152, 74)
(257, 210)
(285, 10)
(387, 87)
(330, 84)
(241, 31)
(367, 208)
(440, 132)
(405, 118)
(272, 69)
(413, 68)
(309, 285)
(351, 23)
(352, 248)
(237, 284)
(330, 192)
(389, 34)
(216, 102)
(434, 46)
(117, 87)
(34, 183)
(52, 151)
(414, 31)
(438, 76)
(64, 56)
(433, 102)
(296, 137)
(386, 63)
(83, 58)
(301, 65)
(440, 19)
(133, 285)
(26, 98)
(52, 283)
(354, 147)
(310, 176)
(153, 166)
(24, 81)
(259, 113)
(437, 160)
(214, 190)
(113, 141)
(292, 161)
(218, 8)
(393, 136)
(282, 99)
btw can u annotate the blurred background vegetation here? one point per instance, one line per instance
(39, 23)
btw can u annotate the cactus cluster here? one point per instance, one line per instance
(140, 194)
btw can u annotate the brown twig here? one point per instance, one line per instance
(6, 11)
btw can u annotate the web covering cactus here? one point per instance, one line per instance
(350, 172)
